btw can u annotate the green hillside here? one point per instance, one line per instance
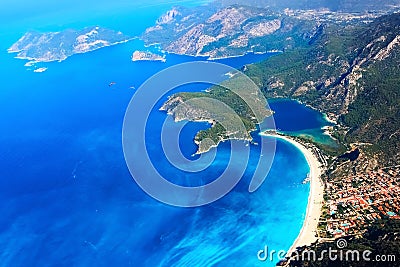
(350, 73)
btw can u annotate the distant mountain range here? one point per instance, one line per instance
(333, 5)
(218, 31)
(230, 31)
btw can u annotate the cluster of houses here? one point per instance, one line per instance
(358, 200)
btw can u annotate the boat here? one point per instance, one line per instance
(307, 179)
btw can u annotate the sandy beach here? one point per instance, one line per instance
(308, 232)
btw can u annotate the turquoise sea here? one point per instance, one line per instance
(66, 195)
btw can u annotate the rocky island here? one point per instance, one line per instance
(147, 56)
(58, 46)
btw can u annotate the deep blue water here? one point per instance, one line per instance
(296, 119)
(67, 198)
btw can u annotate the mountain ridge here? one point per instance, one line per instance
(224, 32)
(336, 74)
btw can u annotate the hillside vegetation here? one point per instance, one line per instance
(351, 74)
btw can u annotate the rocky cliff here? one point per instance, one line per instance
(229, 31)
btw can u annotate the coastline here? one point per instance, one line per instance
(308, 232)
(209, 57)
(32, 60)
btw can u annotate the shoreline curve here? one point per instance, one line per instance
(308, 233)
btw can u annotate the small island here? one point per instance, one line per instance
(147, 56)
